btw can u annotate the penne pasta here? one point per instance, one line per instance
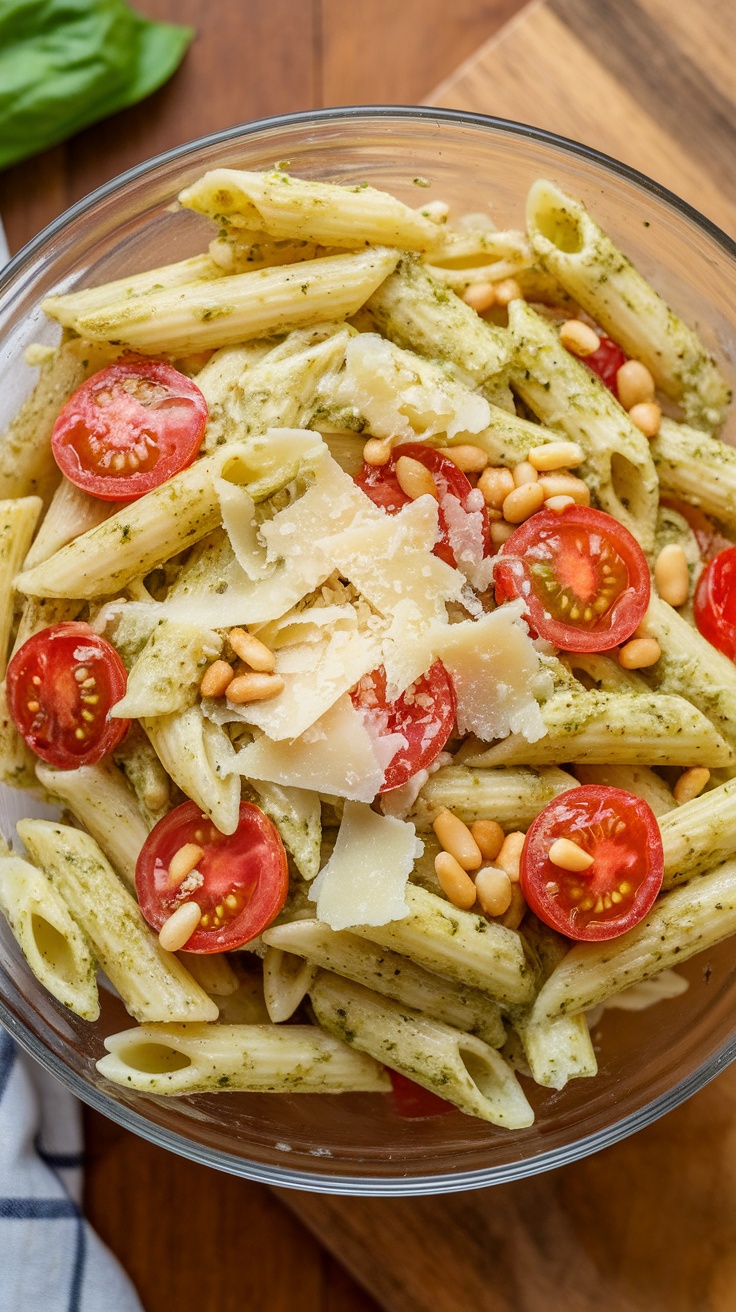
(457, 1066)
(100, 799)
(698, 468)
(50, 939)
(152, 983)
(569, 243)
(17, 522)
(511, 797)
(393, 976)
(564, 394)
(229, 310)
(286, 207)
(177, 1059)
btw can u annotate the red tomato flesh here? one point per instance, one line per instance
(413, 1102)
(584, 578)
(244, 876)
(62, 684)
(621, 833)
(380, 483)
(424, 715)
(715, 602)
(606, 362)
(129, 428)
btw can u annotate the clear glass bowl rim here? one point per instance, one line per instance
(417, 1185)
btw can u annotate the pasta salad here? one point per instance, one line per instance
(366, 607)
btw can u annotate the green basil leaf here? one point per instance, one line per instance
(67, 63)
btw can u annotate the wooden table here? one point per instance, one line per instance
(650, 1225)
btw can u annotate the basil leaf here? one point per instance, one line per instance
(67, 63)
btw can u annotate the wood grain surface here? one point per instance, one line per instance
(647, 1226)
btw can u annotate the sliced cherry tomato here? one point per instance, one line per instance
(129, 428)
(707, 536)
(380, 483)
(412, 1102)
(240, 882)
(62, 684)
(584, 578)
(424, 715)
(606, 362)
(715, 602)
(621, 834)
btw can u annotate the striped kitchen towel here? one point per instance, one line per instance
(50, 1258)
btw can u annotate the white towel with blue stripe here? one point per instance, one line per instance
(50, 1258)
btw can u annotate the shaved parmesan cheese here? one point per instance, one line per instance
(497, 674)
(364, 881)
(400, 395)
(466, 537)
(335, 755)
(390, 561)
(315, 675)
(408, 647)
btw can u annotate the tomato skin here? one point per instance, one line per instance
(249, 864)
(379, 482)
(139, 413)
(557, 545)
(50, 730)
(606, 362)
(413, 1102)
(425, 727)
(621, 833)
(714, 602)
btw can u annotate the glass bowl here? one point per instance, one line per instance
(649, 1062)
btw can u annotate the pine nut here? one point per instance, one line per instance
(518, 909)
(507, 290)
(181, 924)
(501, 533)
(480, 296)
(672, 575)
(183, 862)
(251, 650)
(377, 451)
(495, 484)
(216, 679)
(468, 458)
(579, 337)
(556, 455)
(565, 485)
(639, 654)
(523, 502)
(524, 473)
(454, 882)
(415, 479)
(558, 503)
(457, 839)
(647, 416)
(634, 384)
(568, 856)
(489, 836)
(253, 688)
(690, 784)
(509, 858)
(493, 888)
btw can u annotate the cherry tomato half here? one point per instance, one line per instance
(413, 1102)
(424, 714)
(61, 685)
(606, 362)
(240, 882)
(621, 833)
(380, 483)
(714, 602)
(129, 428)
(584, 578)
